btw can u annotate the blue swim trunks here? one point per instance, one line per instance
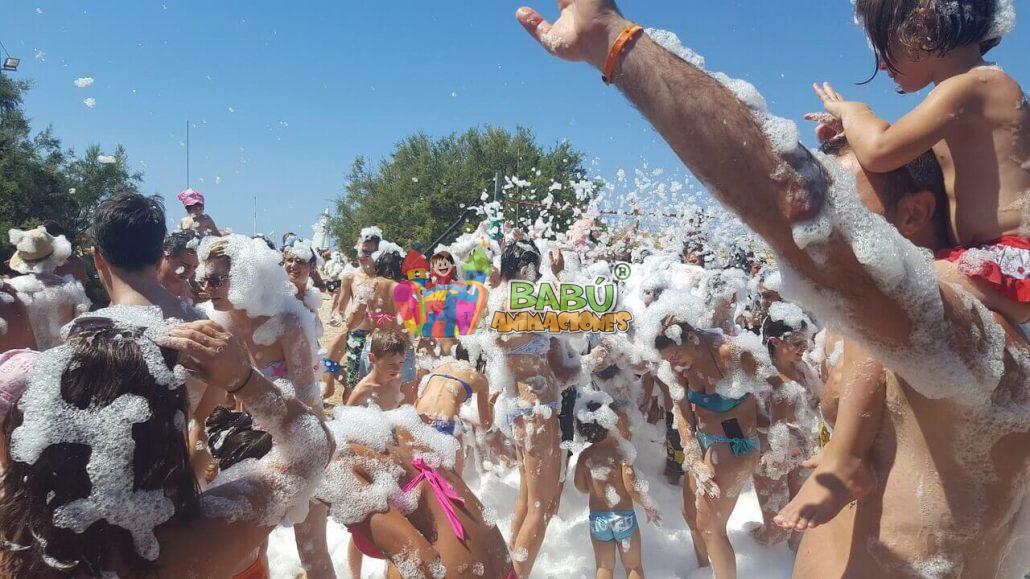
(612, 525)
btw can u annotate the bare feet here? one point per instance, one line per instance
(769, 535)
(837, 481)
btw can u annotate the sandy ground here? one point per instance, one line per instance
(329, 334)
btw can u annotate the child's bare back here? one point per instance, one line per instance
(606, 482)
(985, 155)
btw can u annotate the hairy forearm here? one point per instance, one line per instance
(718, 138)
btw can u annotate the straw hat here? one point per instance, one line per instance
(36, 251)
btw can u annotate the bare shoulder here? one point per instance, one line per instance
(984, 84)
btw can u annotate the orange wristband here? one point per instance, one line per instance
(610, 63)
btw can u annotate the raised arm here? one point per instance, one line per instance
(881, 292)
(882, 147)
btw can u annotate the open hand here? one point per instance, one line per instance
(210, 352)
(653, 516)
(828, 128)
(832, 99)
(583, 32)
(704, 479)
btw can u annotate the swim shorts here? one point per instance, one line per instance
(612, 525)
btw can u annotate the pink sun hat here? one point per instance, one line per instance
(191, 197)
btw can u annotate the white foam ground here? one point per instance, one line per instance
(567, 552)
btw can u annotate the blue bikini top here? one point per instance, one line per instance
(715, 402)
(468, 389)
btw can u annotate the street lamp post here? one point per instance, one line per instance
(10, 63)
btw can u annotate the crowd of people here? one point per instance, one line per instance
(857, 355)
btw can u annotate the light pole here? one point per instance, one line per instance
(10, 63)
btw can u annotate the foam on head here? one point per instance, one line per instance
(48, 419)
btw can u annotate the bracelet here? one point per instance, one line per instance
(245, 382)
(623, 39)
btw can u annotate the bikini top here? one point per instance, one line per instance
(538, 345)
(715, 402)
(464, 384)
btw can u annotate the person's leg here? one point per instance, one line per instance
(542, 463)
(354, 559)
(842, 473)
(772, 496)
(632, 556)
(731, 473)
(604, 558)
(1015, 312)
(521, 503)
(689, 509)
(312, 545)
(336, 350)
(674, 451)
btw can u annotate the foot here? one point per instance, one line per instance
(836, 482)
(769, 535)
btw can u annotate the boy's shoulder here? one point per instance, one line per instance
(987, 80)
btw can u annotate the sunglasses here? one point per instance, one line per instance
(214, 281)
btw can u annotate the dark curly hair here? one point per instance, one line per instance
(516, 255)
(930, 26)
(390, 265)
(105, 366)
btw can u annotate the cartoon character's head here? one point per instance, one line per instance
(441, 267)
(415, 267)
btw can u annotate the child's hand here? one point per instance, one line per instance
(832, 100)
(828, 128)
(653, 516)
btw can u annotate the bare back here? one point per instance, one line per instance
(605, 481)
(985, 157)
(444, 394)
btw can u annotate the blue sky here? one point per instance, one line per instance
(283, 96)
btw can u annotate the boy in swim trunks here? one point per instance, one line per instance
(604, 473)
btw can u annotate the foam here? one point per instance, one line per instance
(49, 420)
(353, 498)
(292, 469)
(1004, 19)
(48, 299)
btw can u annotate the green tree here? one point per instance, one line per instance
(40, 181)
(426, 184)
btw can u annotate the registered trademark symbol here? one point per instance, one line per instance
(621, 271)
